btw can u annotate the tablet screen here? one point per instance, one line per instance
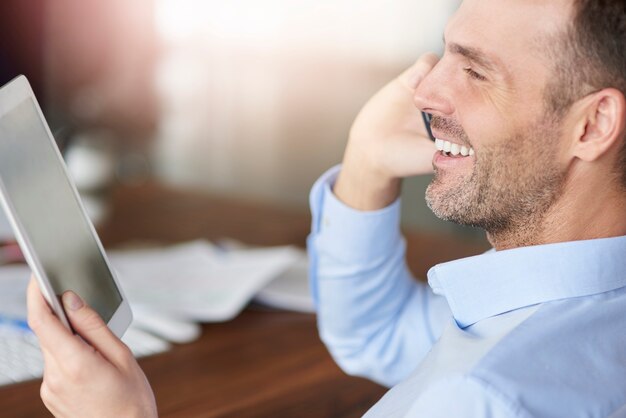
(49, 214)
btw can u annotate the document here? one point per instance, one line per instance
(13, 283)
(290, 291)
(198, 280)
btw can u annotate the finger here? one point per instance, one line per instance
(89, 325)
(416, 73)
(53, 336)
(409, 156)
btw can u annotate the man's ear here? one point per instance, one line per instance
(600, 122)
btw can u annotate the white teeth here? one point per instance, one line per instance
(453, 149)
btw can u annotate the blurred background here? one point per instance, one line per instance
(245, 98)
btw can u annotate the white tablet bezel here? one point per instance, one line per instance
(11, 95)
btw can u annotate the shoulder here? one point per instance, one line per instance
(565, 360)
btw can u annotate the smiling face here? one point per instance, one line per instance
(487, 94)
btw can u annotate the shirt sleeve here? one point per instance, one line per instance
(464, 397)
(376, 320)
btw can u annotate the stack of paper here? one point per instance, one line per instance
(290, 290)
(198, 280)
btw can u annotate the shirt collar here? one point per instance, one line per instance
(501, 281)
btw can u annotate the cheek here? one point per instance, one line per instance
(500, 102)
(485, 117)
(498, 109)
(484, 127)
(552, 139)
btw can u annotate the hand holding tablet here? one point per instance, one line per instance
(96, 374)
(78, 380)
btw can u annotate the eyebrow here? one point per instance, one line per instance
(475, 55)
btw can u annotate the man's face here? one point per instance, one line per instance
(487, 93)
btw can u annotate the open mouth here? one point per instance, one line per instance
(450, 149)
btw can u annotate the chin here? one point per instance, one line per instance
(452, 204)
(439, 204)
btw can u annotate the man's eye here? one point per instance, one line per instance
(473, 74)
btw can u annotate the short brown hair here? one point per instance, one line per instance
(591, 56)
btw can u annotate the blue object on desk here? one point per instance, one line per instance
(16, 323)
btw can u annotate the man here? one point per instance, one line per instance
(529, 108)
(529, 100)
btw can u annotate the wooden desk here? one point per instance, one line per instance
(263, 363)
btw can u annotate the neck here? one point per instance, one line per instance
(581, 213)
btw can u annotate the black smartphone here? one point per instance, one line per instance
(427, 118)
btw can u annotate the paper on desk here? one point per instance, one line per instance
(13, 283)
(290, 290)
(198, 280)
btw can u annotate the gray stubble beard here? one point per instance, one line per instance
(511, 188)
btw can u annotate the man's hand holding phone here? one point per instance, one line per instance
(94, 375)
(388, 141)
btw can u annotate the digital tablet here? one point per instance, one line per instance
(57, 238)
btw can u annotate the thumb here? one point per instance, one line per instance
(88, 324)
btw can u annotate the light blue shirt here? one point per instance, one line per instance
(530, 332)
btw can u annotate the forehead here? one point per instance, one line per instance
(512, 31)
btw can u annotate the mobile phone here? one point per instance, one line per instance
(44, 209)
(427, 118)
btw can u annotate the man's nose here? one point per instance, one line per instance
(433, 94)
